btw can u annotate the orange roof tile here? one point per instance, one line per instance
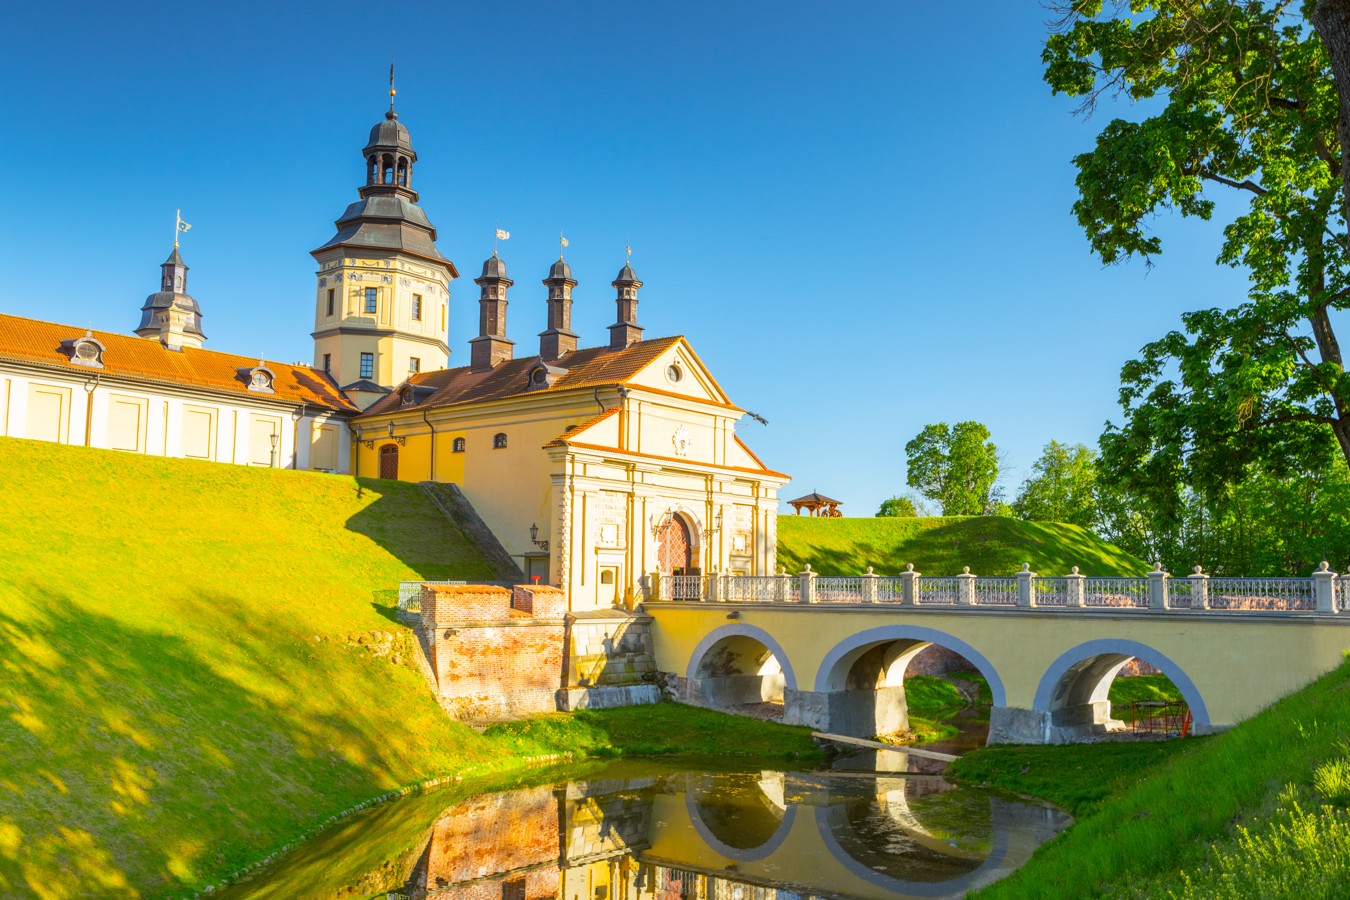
(682, 460)
(126, 356)
(588, 368)
(578, 429)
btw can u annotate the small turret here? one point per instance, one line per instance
(626, 330)
(491, 346)
(559, 339)
(169, 315)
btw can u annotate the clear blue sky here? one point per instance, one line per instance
(858, 213)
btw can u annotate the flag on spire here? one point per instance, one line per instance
(503, 235)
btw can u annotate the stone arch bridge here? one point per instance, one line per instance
(834, 650)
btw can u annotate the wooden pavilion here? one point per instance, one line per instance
(817, 505)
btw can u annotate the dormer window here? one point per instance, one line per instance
(541, 375)
(406, 396)
(499, 441)
(260, 379)
(85, 351)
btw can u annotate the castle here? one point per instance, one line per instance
(593, 466)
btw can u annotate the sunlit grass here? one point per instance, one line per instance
(989, 545)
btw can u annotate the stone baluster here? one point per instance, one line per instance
(807, 589)
(965, 588)
(1199, 589)
(654, 586)
(714, 586)
(869, 586)
(1324, 588)
(1074, 583)
(1026, 586)
(910, 583)
(1157, 588)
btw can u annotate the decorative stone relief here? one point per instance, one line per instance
(681, 440)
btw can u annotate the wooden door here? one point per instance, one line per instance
(389, 462)
(672, 554)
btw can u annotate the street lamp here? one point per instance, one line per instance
(275, 438)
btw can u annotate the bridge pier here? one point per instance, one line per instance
(854, 713)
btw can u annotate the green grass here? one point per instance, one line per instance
(1156, 815)
(990, 545)
(184, 689)
(667, 728)
(1140, 689)
(927, 694)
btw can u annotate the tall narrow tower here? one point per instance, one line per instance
(382, 307)
(559, 339)
(626, 330)
(169, 315)
(492, 345)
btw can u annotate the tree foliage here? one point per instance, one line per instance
(1241, 101)
(897, 507)
(956, 466)
(1062, 487)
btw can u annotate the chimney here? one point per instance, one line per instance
(491, 346)
(559, 339)
(626, 331)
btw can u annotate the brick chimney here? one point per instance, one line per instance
(491, 346)
(626, 331)
(559, 339)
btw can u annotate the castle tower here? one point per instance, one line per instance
(626, 330)
(559, 339)
(382, 307)
(169, 315)
(491, 346)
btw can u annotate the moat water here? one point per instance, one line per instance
(861, 827)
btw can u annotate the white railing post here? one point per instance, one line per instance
(714, 587)
(1199, 589)
(1026, 586)
(965, 588)
(1157, 588)
(807, 590)
(1073, 583)
(910, 583)
(1324, 588)
(654, 586)
(869, 586)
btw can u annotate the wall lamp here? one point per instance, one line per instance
(534, 537)
(400, 439)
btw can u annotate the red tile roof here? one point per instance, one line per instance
(126, 356)
(589, 368)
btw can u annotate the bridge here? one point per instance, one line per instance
(834, 651)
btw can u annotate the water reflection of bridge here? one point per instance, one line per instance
(741, 836)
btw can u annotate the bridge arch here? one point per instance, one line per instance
(860, 683)
(743, 844)
(1073, 691)
(738, 664)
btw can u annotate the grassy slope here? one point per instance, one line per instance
(168, 713)
(942, 546)
(1156, 811)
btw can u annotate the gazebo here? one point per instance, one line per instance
(817, 505)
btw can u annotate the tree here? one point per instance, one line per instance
(1062, 488)
(955, 466)
(1243, 102)
(897, 507)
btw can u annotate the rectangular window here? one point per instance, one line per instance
(198, 432)
(330, 301)
(372, 300)
(414, 364)
(48, 412)
(328, 363)
(367, 365)
(126, 423)
(323, 448)
(264, 442)
(417, 308)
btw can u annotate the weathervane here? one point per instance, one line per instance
(179, 227)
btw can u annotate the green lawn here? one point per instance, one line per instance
(990, 545)
(1258, 811)
(184, 686)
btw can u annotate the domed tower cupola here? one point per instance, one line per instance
(169, 315)
(559, 339)
(626, 330)
(491, 346)
(382, 305)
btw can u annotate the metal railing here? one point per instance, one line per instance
(839, 590)
(1050, 591)
(1265, 594)
(994, 591)
(759, 588)
(410, 594)
(934, 591)
(683, 587)
(1118, 592)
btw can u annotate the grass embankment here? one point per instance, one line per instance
(184, 687)
(990, 545)
(1258, 811)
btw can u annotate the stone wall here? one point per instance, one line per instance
(496, 845)
(610, 660)
(494, 653)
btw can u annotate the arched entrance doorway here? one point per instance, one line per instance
(389, 462)
(674, 552)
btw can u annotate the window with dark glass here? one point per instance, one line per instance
(499, 441)
(417, 307)
(328, 362)
(330, 301)
(457, 445)
(372, 299)
(367, 365)
(414, 364)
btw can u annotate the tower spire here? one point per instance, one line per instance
(392, 114)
